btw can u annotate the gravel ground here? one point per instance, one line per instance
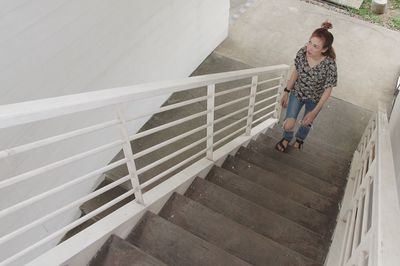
(385, 18)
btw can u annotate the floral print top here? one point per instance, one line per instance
(312, 82)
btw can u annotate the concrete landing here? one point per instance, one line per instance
(368, 55)
(350, 3)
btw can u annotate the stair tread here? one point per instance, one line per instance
(311, 155)
(259, 219)
(271, 200)
(104, 198)
(175, 246)
(229, 235)
(311, 182)
(118, 252)
(281, 184)
(314, 146)
(330, 172)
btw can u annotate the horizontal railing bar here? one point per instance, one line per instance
(230, 115)
(167, 108)
(263, 117)
(266, 100)
(229, 126)
(165, 126)
(69, 227)
(26, 112)
(267, 90)
(219, 107)
(232, 90)
(170, 170)
(50, 140)
(55, 190)
(268, 80)
(264, 108)
(63, 209)
(46, 168)
(167, 142)
(229, 136)
(170, 156)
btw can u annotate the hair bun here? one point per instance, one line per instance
(326, 25)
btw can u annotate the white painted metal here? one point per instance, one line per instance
(268, 90)
(265, 108)
(210, 120)
(16, 114)
(230, 115)
(128, 153)
(268, 80)
(252, 101)
(264, 117)
(371, 236)
(232, 90)
(44, 169)
(51, 140)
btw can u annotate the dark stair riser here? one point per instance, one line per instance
(228, 235)
(272, 201)
(327, 172)
(341, 166)
(259, 219)
(175, 246)
(297, 176)
(280, 184)
(118, 252)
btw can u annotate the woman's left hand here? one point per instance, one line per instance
(309, 118)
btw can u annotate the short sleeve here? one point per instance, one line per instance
(299, 58)
(331, 77)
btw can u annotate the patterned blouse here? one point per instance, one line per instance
(312, 82)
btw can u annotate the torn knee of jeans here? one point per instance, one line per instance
(286, 128)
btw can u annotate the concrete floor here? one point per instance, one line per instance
(271, 32)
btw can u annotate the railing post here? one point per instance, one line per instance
(282, 85)
(210, 120)
(252, 101)
(127, 148)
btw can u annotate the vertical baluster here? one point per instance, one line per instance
(127, 148)
(210, 120)
(252, 102)
(282, 85)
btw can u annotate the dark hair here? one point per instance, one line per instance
(327, 37)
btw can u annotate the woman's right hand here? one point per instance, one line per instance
(285, 99)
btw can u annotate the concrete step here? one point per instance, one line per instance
(104, 198)
(118, 252)
(233, 237)
(259, 219)
(327, 172)
(342, 166)
(175, 246)
(314, 146)
(271, 200)
(281, 184)
(282, 169)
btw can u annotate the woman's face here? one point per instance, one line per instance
(315, 47)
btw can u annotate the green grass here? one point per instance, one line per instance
(395, 23)
(396, 3)
(366, 13)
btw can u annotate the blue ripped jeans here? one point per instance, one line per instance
(293, 110)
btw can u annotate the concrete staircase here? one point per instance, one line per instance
(261, 207)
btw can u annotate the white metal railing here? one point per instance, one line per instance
(368, 230)
(262, 99)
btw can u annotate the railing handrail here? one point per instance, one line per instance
(367, 232)
(388, 231)
(31, 111)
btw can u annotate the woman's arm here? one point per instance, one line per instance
(290, 85)
(309, 118)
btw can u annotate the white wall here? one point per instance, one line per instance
(394, 127)
(56, 47)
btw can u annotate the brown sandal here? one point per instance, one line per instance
(280, 147)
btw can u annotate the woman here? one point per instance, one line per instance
(310, 85)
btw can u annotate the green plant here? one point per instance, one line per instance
(365, 12)
(395, 22)
(396, 3)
